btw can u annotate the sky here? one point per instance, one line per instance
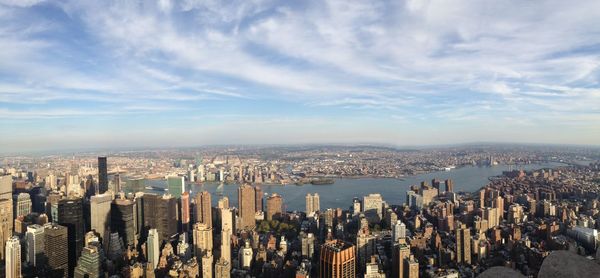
(103, 74)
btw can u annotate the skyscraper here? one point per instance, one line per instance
(100, 213)
(184, 208)
(203, 208)
(400, 253)
(23, 205)
(203, 240)
(153, 248)
(102, 175)
(6, 223)
(245, 255)
(337, 260)
(222, 269)
(160, 213)
(226, 232)
(35, 244)
(463, 244)
(56, 249)
(6, 187)
(70, 215)
(207, 264)
(312, 203)
(274, 206)
(258, 198)
(398, 231)
(246, 206)
(13, 258)
(90, 263)
(123, 220)
(449, 185)
(176, 186)
(373, 207)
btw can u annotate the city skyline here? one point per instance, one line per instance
(81, 74)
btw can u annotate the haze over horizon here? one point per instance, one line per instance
(106, 74)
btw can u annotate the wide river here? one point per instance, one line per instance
(341, 193)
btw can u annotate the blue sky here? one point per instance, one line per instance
(97, 74)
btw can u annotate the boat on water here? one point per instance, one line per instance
(322, 181)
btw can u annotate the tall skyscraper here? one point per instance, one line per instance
(102, 175)
(312, 203)
(13, 258)
(246, 206)
(373, 207)
(203, 240)
(463, 244)
(203, 208)
(274, 206)
(222, 268)
(123, 220)
(398, 231)
(6, 187)
(207, 264)
(23, 205)
(449, 185)
(258, 198)
(35, 244)
(184, 208)
(90, 263)
(226, 232)
(153, 248)
(176, 186)
(337, 260)
(56, 249)
(160, 212)
(70, 215)
(6, 224)
(100, 213)
(400, 253)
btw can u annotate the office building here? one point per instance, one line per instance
(90, 263)
(6, 224)
(463, 244)
(398, 231)
(35, 244)
(203, 239)
(245, 256)
(6, 188)
(13, 258)
(23, 205)
(258, 198)
(207, 264)
(102, 175)
(123, 220)
(176, 186)
(337, 260)
(274, 207)
(308, 244)
(373, 207)
(204, 208)
(312, 204)
(56, 248)
(400, 252)
(184, 212)
(70, 215)
(100, 213)
(160, 213)
(226, 232)
(449, 185)
(246, 206)
(222, 268)
(153, 248)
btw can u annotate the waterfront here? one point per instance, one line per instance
(340, 194)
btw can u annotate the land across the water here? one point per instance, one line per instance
(343, 190)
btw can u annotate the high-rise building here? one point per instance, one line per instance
(245, 255)
(100, 213)
(207, 264)
(365, 247)
(226, 232)
(23, 205)
(308, 244)
(223, 203)
(337, 260)
(102, 175)
(246, 206)
(412, 267)
(463, 244)
(6, 187)
(373, 207)
(399, 231)
(56, 248)
(13, 258)
(153, 248)
(35, 244)
(274, 206)
(176, 186)
(312, 204)
(6, 223)
(222, 268)
(203, 208)
(258, 198)
(70, 215)
(184, 208)
(123, 220)
(160, 212)
(203, 240)
(401, 252)
(449, 185)
(90, 263)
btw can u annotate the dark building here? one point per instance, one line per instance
(56, 251)
(102, 175)
(122, 218)
(70, 215)
(449, 185)
(259, 198)
(160, 213)
(337, 260)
